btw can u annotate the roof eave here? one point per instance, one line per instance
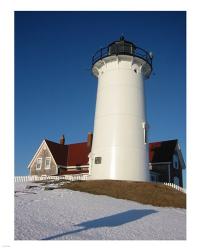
(40, 147)
(36, 153)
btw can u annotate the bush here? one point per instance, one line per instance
(143, 192)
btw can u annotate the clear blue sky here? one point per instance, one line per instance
(55, 91)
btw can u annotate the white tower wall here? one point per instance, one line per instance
(119, 125)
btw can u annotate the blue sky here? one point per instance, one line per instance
(55, 91)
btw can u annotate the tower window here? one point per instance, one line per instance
(145, 127)
(145, 135)
(97, 160)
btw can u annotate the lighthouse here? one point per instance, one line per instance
(120, 142)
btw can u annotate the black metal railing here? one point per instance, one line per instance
(122, 50)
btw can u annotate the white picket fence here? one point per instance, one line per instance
(175, 187)
(76, 177)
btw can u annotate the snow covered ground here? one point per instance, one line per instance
(63, 214)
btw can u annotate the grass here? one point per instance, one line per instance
(143, 192)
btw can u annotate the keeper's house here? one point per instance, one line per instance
(165, 157)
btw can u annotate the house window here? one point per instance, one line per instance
(175, 161)
(97, 160)
(154, 177)
(47, 162)
(78, 167)
(176, 180)
(39, 163)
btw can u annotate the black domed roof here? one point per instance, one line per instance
(121, 47)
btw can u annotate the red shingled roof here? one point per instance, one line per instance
(78, 154)
(69, 155)
(59, 152)
(161, 151)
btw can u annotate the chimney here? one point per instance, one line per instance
(62, 140)
(89, 140)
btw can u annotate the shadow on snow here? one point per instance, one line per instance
(108, 221)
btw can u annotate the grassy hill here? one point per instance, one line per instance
(143, 192)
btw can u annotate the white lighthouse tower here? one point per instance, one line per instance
(120, 147)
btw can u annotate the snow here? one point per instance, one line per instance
(62, 214)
